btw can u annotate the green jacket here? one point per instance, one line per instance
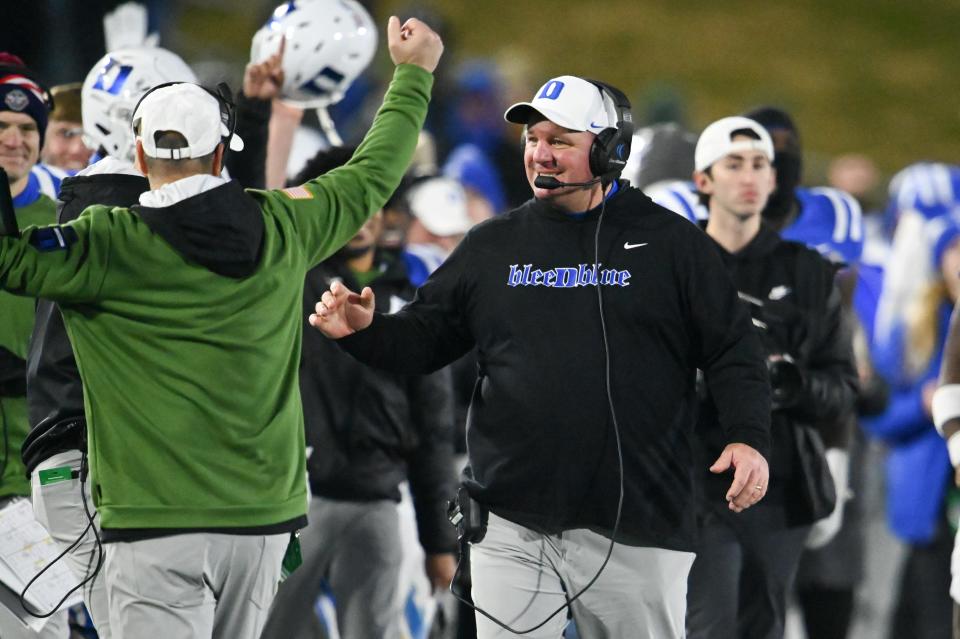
(186, 323)
(16, 325)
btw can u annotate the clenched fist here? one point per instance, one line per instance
(413, 43)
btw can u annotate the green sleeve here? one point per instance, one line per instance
(327, 211)
(71, 270)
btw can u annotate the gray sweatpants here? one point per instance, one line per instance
(58, 508)
(193, 586)
(521, 577)
(355, 546)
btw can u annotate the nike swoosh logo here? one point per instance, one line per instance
(628, 245)
(594, 125)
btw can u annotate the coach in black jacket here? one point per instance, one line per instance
(745, 565)
(542, 443)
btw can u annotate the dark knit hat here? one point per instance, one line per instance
(20, 92)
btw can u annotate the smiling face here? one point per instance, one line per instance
(555, 151)
(64, 147)
(738, 184)
(19, 147)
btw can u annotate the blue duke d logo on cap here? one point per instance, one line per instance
(568, 101)
(551, 90)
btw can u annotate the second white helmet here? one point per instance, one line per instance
(112, 88)
(328, 44)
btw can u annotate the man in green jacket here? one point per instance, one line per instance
(184, 315)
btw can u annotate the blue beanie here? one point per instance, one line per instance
(21, 94)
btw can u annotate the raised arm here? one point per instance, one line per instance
(327, 211)
(261, 84)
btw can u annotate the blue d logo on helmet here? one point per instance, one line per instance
(116, 74)
(112, 88)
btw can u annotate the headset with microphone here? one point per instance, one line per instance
(610, 149)
(550, 182)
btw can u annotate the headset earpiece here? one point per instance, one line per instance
(228, 113)
(611, 148)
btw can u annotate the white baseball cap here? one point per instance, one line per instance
(187, 109)
(440, 203)
(716, 141)
(569, 101)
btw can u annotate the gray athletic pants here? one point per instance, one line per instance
(58, 508)
(521, 577)
(193, 586)
(355, 546)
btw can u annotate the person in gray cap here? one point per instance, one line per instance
(591, 309)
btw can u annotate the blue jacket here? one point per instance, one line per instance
(918, 467)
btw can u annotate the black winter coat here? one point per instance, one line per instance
(369, 429)
(796, 308)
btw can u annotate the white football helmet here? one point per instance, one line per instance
(329, 44)
(113, 87)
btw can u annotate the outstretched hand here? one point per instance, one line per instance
(413, 43)
(341, 312)
(751, 475)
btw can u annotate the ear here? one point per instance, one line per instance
(703, 182)
(217, 160)
(140, 158)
